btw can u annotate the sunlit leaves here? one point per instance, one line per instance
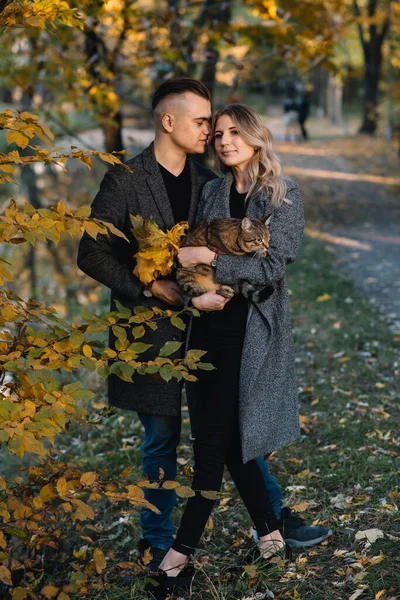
(39, 14)
(22, 128)
(27, 224)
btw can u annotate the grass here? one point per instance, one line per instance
(343, 473)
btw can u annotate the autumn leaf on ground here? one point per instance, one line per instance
(157, 249)
(371, 535)
(324, 298)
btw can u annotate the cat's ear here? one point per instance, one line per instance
(246, 223)
(267, 221)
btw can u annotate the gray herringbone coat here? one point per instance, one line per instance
(268, 401)
(109, 260)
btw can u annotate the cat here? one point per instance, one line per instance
(226, 236)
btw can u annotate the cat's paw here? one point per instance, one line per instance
(226, 291)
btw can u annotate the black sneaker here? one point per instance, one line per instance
(150, 556)
(296, 532)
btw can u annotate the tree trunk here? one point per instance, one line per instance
(219, 15)
(96, 55)
(113, 133)
(372, 75)
(372, 42)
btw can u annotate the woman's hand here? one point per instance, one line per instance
(191, 256)
(209, 301)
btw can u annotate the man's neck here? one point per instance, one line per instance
(169, 156)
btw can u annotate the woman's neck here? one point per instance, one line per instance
(242, 181)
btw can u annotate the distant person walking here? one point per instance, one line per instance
(303, 113)
(290, 118)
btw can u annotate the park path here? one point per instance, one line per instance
(351, 187)
(352, 201)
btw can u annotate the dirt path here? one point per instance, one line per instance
(352, 197)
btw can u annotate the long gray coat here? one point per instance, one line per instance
(268, 401)
(109, 260)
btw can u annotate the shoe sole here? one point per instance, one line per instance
(297, 544)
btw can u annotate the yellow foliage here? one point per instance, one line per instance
(38, 13)
(157, 249)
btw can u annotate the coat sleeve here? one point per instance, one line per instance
(287, 226)
(98, 257)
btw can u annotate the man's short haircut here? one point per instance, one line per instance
(177, 86)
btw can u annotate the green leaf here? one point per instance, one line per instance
(76, 339)
(4, 437)
(195, 354)
(169, 348)
(97, 327)
(139, 347)
(205, 366)
(167, 372)
(138, 332)
(119, 333)
(90, 365)
(177, 322)
(123, 310)
(12, 365)
(30, 237)
(85, 395)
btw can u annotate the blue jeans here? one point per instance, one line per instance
(161, 438)
(273, 488)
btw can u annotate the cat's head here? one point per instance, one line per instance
(254, 236)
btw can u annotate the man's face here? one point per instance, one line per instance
(190, 123)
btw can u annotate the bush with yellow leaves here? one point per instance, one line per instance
(48, 512)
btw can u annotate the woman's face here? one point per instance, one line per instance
(230, 147)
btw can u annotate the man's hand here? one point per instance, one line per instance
(209, 301)
(191, 256)
(167, 291)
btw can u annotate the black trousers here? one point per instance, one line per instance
(218, 439)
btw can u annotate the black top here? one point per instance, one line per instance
(179, 190)
(230, 322)
(237, 204)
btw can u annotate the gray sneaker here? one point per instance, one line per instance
(296, 532)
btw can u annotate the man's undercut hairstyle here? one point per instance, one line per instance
(178, 86)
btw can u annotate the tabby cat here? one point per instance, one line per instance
(226, 236)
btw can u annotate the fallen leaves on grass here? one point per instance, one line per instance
(371, 535)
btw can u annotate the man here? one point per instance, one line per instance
(164, 184)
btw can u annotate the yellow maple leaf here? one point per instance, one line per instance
(157, 248)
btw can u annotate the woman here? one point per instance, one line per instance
(248, 405)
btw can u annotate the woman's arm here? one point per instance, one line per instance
(287, 227)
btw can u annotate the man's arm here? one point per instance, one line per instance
(98, 257)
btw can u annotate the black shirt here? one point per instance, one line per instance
(179, 191)
(230, 322)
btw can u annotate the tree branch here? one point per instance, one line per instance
(3, 4)
(357, 13)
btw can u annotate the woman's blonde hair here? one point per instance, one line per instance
(264, 168)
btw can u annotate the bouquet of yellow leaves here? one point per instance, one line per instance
(157, 249)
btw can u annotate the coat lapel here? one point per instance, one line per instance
(157, 188)
(195, 187)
